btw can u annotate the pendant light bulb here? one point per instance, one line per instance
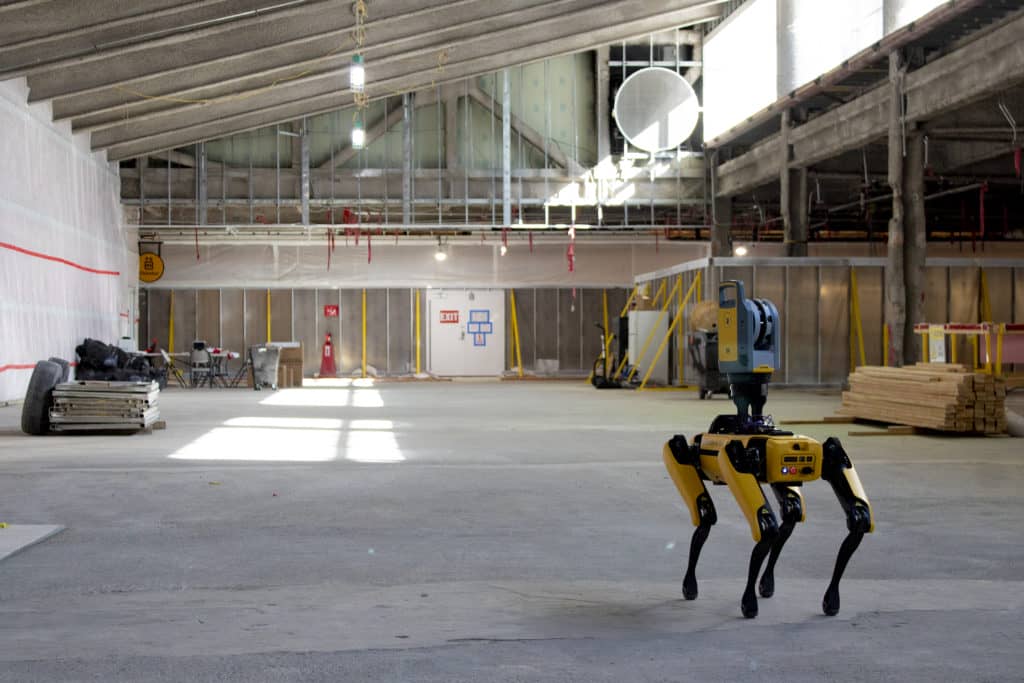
(357, 74)
(358, 134)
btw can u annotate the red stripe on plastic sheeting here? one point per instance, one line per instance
(21, 366)
(27, 366)
(57, 259)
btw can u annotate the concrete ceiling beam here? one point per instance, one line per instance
(71, 28)
(303, 61)
(978, 70)
(113, 65)
(573, 37)
(245, 47)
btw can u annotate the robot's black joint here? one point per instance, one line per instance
(680, 451)
(768, 525)
(792, 510)
(746, 460)
(706, 508)
(858, 518)
(834, 457)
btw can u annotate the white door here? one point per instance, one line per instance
(467, 332)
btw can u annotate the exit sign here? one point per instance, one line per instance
(450, 317)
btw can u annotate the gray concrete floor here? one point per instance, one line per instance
(513, 532)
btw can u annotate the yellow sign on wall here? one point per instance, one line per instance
(151, 267)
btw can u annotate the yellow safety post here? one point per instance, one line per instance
(632, 295)
(985, 309)
(269, 338)
(170, 327)
(885, 344)
(988, 352)
(515, 334)
(855, 320)
(679, 335)
(974, 350)
(952, 348)
(650, 335)
(607, 332)
(1000, 331)
(417, 331)
(364, 333)
(658, 293)
(671, 329)
(924, 349)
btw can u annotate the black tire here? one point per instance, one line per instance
(35, 413)
(65, 367)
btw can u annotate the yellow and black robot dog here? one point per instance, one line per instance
(745, 450)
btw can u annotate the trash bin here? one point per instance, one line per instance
(703, 346)
(264, 360)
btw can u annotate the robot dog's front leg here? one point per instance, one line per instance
(838, 471)
(791, 506)
(682, 467)
(739, 467)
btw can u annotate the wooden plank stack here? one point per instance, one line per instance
(938, 396)
(104, 406)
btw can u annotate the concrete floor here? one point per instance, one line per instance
(485, 532)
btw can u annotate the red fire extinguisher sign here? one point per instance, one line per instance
(330, 311)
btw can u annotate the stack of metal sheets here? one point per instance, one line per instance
(103, 406)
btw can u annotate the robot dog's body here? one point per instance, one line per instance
(744, 450)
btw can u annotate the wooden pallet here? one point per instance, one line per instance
(939, 397)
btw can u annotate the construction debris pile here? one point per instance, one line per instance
(940, 396)
(104, 406)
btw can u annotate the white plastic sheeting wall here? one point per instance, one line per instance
(66, 268)
(469, 264)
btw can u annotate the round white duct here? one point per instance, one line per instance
(656, 109)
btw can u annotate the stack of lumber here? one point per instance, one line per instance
(102, 406)
(937, 396)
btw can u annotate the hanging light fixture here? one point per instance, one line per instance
(740, 250)
(358, 134)
(440, 254)
(504, 250)
(357, 74)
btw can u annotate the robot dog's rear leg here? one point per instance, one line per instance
(682, 467)
(700, 534)
(791, 505)
(838, 471)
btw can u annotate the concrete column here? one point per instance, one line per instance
(304, 169)
(721, 229)
(407, 108)
(721, 216)
(451, 126)
(915, 242)
(506, 148)
(792, 195)
(602, 108)
(895, 282)
(201, 186)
